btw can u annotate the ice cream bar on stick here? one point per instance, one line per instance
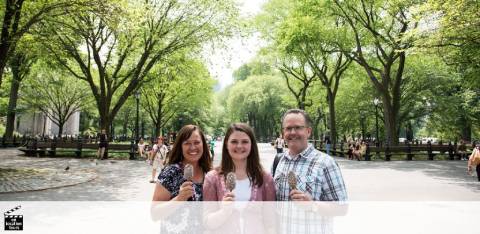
(292, 180)
(231, 181)
(188, 172)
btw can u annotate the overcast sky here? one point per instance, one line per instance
(224, 62)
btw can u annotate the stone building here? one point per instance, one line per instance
(36, 123)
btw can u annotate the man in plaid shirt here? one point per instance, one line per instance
(318, 177)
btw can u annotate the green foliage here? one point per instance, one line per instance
(55, 93)
(260, 101)
(115, 47)
(180, 88)
(4, 94)
(354, 99)
(253, 68)
(242, 73)
(2, 129)
(453, 33)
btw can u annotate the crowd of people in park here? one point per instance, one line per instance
(356, 150)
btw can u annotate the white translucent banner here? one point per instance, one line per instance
(241, 217)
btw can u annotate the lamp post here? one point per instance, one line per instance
(376, 101)
(137, 98)
(143, 129)
(362, 124)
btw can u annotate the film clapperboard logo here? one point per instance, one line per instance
(13, 222)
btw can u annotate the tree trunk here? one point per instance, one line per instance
(467, 132)
(315, 127)
(3, 63)
(105, 124)
(12, 105)
(6, 40)
(60, 129)
(409, 131)
(301, 102)
(158, 129)
(158, 122)
(390, 122)
(466, 128)
(317, 123)
(125, 126)
(331, 107)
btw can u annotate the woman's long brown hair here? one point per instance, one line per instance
(254, 168)
(176, 154)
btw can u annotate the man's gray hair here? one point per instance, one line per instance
(308, 120)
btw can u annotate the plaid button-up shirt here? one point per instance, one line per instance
(317, 174)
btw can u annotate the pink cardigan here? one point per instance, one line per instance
(258, 218)
(214, 188)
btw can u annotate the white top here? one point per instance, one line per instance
(243, 190)
(160, 151)
(141, 146)
(280, 143)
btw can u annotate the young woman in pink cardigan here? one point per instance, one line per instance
(240, 156)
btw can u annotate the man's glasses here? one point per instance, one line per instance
(294, 128)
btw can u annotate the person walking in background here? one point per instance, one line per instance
(103, 144)
(462, 150)
(327, 144)
(212, 147)
(474, 161)
(158, 155)
(279, 144)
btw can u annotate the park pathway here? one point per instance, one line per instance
(123, 180)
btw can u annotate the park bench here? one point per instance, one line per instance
(15, 141)
(51, 148)
(409, 150)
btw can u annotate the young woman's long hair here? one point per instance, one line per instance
(176, 154)
(254, 168)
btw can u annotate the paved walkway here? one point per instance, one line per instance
(122, 180)
(102, 180)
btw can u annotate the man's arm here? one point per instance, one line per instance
(333, 187)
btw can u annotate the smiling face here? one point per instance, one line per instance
(192, 148)
(239, 145)
(296, 133)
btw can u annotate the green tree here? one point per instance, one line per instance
(55, 94)
(175, 88)
(316, 41)
(19, 16)
(380, 31)
(259, 101)
(242, 72)
(114, 52)
(252, 68)
(456, 36)
(20, 63)
(455, 39)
